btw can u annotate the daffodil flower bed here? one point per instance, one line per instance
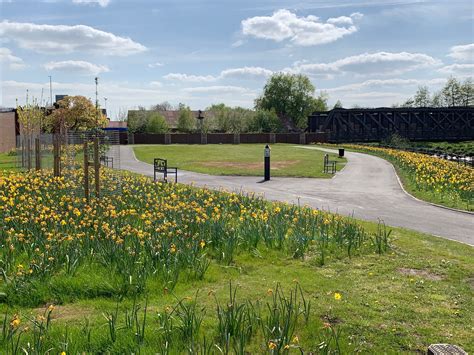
(140, 235)
(444, 181)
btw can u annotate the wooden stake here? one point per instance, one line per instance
(37, 154)
(97, 166)
(86, 171)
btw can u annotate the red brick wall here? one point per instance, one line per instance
(7, 131)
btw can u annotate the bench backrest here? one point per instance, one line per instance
(160, 164)
(326, 159)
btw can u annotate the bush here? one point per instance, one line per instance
(156, 123)
(265, 121)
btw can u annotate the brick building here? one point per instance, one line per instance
(8, 129)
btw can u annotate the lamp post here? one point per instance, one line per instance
(200, 117)
(266, 155)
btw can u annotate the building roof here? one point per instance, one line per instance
(117, 124)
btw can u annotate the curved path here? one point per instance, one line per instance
(366, 188)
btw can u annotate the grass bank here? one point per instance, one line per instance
(242, 159)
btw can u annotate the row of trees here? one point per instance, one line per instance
(220, 118)
(453, 93)
(72, 113)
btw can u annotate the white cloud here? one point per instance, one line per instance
(456, 69)
(384, 63)
(238, 43)
(57, 39)
(189, 78)
(8, 60)
(102, 3)
(382, 84)
(462, 53)
(155, 65)
(232, 73)
(246, 72)
(218, 89)
(303, 31)
(77, 66)
(156, 84)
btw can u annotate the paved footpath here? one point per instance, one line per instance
(366, 188)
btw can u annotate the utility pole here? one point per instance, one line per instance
(96, 101)
(105, 99)
(50, 91)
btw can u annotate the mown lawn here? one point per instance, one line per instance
(7, 162)
(242, 159)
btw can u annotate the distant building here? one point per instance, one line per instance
(116, 126)
(9, 129)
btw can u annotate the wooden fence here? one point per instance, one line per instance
(223, 138)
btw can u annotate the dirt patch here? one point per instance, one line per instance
(417, 272)
(67, 312)
(229, 164)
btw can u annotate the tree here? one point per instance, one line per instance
(467, 93)
(452, 92)
(186, 121)
(156, 123)
(264, 121)
(422, 97)
(137, 120)
(164, 106)
(290, 95)
(31, 117)
(338, 104)
(75, 113)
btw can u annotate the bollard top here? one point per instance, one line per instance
(267, 151)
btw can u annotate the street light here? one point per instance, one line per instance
(200, 117)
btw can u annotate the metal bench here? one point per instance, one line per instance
(107, 161)
(329, 165)
(161, 166)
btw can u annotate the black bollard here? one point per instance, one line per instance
(267, 163)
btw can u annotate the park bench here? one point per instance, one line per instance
(107, 161)
(161, 166)
(329, 165)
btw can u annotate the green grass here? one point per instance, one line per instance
(7, 162)
(383, 308)
(243, 159)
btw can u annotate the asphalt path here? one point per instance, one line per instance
(367, 188)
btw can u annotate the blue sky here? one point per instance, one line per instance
(364, 52)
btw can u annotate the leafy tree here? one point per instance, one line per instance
(156, 123)
(137, 120)
(75, 113)
(422, 97)
(290, 95)
(265, 121)
(186, 121)
(220, 112)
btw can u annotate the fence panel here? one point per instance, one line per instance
(220, 138)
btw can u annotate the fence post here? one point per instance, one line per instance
(272, 138)
(167, 138)
(86, 170)
(56, 155)
(96, 166)
(203, 138)
(37, 154)
(302, 138)
(236, 138)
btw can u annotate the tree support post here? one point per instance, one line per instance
(96, 166)
(37, 154)
(86, 171)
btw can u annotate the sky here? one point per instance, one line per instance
(370, 53)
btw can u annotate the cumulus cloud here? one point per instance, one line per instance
(382, 84)
(232, 73)
(102, 3)
(76, 66)
(66, 39)
(156, 84)
(189, 78)
(458, 69)
(155, 65)
(302, 31)
(8, 60)
(462, 53)
(218, 89)
(370, 63)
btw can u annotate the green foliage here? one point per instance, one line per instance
(156, 123)
(186, 121)
(291, 96)
(230, 119)
(265, 121)
(137, 120)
